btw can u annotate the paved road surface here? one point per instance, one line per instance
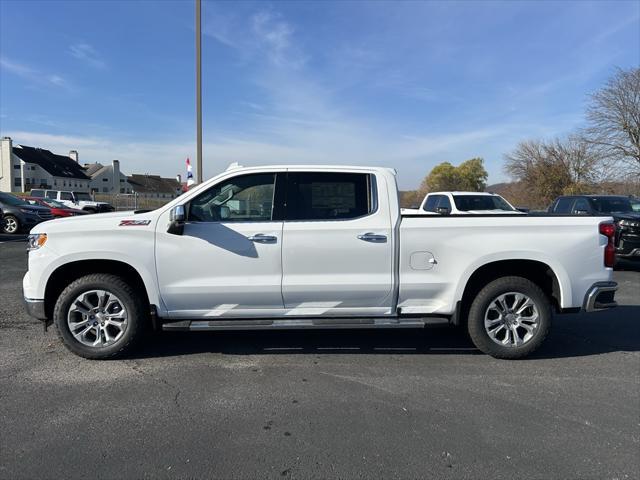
(391, 404)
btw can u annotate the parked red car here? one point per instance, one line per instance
(57, 209)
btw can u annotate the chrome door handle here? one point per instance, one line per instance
(262, 238)
(373, 237)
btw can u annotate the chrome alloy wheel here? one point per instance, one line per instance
(511, 319)
(97, 318)
(10, 225)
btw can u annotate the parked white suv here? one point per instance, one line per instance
(312, 247)
(80, 200)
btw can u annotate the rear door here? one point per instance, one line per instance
(337, 249)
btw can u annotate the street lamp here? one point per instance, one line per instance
(198, 92)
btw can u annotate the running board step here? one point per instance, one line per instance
(302, 323)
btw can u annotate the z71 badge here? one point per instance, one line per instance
(134, 223)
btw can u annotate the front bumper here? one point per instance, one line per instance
(35, 308)
(628, 244)
(600, 296)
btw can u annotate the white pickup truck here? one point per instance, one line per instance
(312, 247)
(462, 203)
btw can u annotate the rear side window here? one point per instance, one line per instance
(329, 195)
(65, 196)
(37, 193)
(563, 205)
(52, 194)
(432, 203)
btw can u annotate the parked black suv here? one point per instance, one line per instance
(626, 219)
(21, 215)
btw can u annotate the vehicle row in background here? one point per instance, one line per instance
(76, 200)
(625, 216)
(59, 210)
(23, 213)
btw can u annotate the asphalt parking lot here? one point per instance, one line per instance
(366, 404)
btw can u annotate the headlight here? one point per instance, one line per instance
(629, 223)
(36, 241)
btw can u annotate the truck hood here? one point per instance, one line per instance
(96, 221)
(626, 216)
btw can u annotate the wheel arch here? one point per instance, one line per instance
(63, 275)
(537, 271)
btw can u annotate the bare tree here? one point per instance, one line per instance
(614, 120)
(549, 169)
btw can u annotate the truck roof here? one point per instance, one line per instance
(462, 193)
(235, 166)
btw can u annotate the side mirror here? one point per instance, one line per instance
(443, 210)
(177, 217)
(225, 212)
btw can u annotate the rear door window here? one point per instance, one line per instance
(580, 206)
(329, 195)
(65, 196)
(563, 205)
(52, 194)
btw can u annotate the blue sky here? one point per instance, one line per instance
(401, 84)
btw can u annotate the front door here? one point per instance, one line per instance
(227, 262)
(337, 246)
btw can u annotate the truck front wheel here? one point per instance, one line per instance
(509, 318)
(100, 316)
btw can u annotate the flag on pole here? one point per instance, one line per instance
(190, 180)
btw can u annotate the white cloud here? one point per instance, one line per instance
(34, 76)
(261, 35)
(414, 156)
(88, 54)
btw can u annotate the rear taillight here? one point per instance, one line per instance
(609, 231)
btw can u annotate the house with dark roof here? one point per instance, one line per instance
(23, 168)
(154, 186)
(107, 178)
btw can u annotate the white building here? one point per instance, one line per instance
(23, 168)
(154, 186)
(107, 178)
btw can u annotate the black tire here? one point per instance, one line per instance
(137, 318)
(6, 221)
(484, 299)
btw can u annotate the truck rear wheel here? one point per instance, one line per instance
(509, 318)
(100, 316)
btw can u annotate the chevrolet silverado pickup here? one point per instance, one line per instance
(284, 247)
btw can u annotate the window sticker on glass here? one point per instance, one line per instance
(341, 196)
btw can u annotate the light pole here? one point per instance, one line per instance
(198, 92)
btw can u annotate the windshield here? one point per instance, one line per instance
(84, 197)
(11, 200)
(611, 204)
(481, 202)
